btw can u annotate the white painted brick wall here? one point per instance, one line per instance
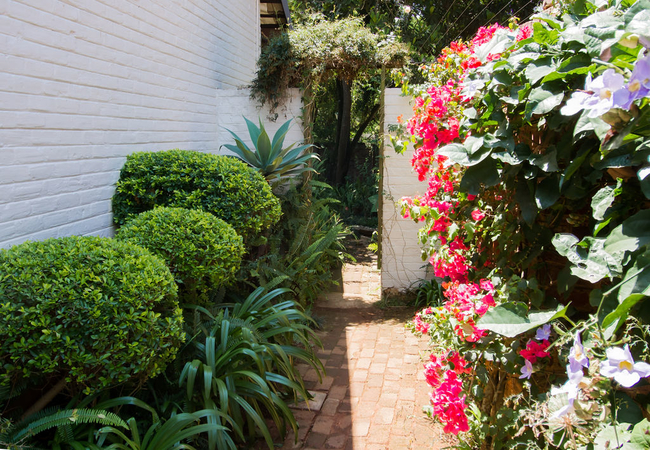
(402, 266)
(83, 83)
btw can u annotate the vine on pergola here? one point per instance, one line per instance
(315, 52)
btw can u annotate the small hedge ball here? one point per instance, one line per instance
(221, 185)
(201, 251)
(97, 311)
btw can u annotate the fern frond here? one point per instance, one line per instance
(68, 417)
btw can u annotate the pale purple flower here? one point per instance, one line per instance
(576, 103)
(577, 357)
(608, 92)
(621, 366)
(574, 373)
(472, 88)
(526, 370)
(639, 84)
(645, 41)
(571, 390)
(577, 360)
(543, 333)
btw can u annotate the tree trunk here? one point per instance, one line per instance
(357, 137)
(46, 399)
(343, 140)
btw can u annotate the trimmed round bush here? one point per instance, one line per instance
(202, 251)
(94, 310)
(221, 185)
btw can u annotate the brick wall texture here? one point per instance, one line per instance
(84, 83)
(402, 265)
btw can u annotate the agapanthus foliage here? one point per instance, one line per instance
(534, 144)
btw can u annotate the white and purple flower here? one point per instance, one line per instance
(526, 370)
(577, 357)
(608, 92)
(639, 84)
(571, 390)
(543, 333)
(621, 366)
(601, 94)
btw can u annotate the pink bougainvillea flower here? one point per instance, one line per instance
(621, 366)
(470, 332)
(460, 365)
(526, 370)
(448, 406)
(525, 31)
(535, 350)
(432, 374)
(486, 285)
(477, 215)
(421, 326)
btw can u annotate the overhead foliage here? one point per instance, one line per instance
(318, 49)
(426, 25)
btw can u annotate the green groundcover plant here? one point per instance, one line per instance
(534, 141)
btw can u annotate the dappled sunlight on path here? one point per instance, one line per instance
(374, 389)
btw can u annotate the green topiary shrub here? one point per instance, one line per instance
(201, 251)
(93, 310)
(220, 185)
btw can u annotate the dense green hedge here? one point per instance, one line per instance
(221, 185)
(202, 252)
(95, 310)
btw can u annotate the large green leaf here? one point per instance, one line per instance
(592, 263)
(547, 192)
(604, 198)
(485, 173)
(618, 316)
(637, 278)
(278, 137)
(539, 69)
(644, 179)
(457, 153)
(641, 434)
(513, 319)
(526, 202)
(499, 42)
(631, 235)
(546, 161)
(542, 101)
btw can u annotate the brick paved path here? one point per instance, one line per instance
(372, 395)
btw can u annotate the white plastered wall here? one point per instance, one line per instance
(84, 83)
(401, 262)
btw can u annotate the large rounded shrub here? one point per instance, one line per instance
(202, 251)
(220, 185)
(93, 310)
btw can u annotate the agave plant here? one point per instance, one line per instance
(273, 161)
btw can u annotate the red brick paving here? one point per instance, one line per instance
(374, 382)
(374, 392)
